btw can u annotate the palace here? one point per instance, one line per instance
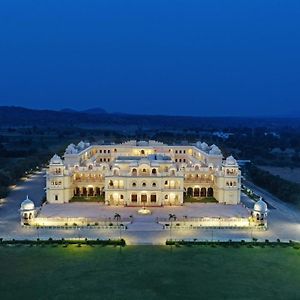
(143, 174)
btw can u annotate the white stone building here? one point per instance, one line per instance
(143, 174)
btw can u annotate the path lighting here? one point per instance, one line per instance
(172, 218)
(117, 217)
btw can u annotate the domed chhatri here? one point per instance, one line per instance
(56, 160)
(27, 211)
(27, 205)
(230, 160)
(260, 207)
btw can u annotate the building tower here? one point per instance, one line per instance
(58, 181)
(230, 182)
(260, 212)
(27, 211)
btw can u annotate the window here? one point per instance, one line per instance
(144, 184)
(115, 150)
(153, 198)
(144, 170)
(108, 151)
(166, 182)
(56, 197)
(166, 197)
(133, 184)
(154, 184)
(144, 198)
(134, 198)
(121, 197)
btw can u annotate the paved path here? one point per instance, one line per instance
(284, 222)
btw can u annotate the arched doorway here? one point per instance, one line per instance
(210, 192)
(196, 192)
(203, 192)
(190, 192)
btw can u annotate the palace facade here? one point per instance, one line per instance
(143, 174)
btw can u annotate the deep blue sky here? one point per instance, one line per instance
(188, 57)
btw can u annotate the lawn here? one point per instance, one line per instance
(149, 272)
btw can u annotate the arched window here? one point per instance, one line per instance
(196, 192)
(142, 152)
(143, 198)
(134, 198)
(144, 184)
(134, 184)
(153, 198)
(144, 170)
(166, 197)
(134, 172)
(154, 172)
(154, 184)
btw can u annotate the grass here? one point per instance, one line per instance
(149, 272)
(87, 199)
(200, 200)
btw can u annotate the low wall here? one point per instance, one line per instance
(78, 222)
(206, 222)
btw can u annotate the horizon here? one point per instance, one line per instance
(296, 115)
(192, 59)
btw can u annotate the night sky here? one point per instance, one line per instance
(200, 57)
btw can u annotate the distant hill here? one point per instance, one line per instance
(68, 110)
(20, 116)
(95, 111)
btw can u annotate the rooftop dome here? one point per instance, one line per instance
(27, 204)
(71, 149)
(81, 145)
(231, 161)
(142, 143)
(56, 160)
(204, 146)
(215, 150)
(260, 206)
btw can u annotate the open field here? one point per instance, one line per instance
(148, 272)
(286, 173)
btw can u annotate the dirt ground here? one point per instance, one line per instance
(284, 172)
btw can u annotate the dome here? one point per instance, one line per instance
(204, 146)
(81, 145)
(260, 206)
(56, 160)
(27, 204)
(231, 161)
(142, 143)
(71, 149)
(215, 150)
